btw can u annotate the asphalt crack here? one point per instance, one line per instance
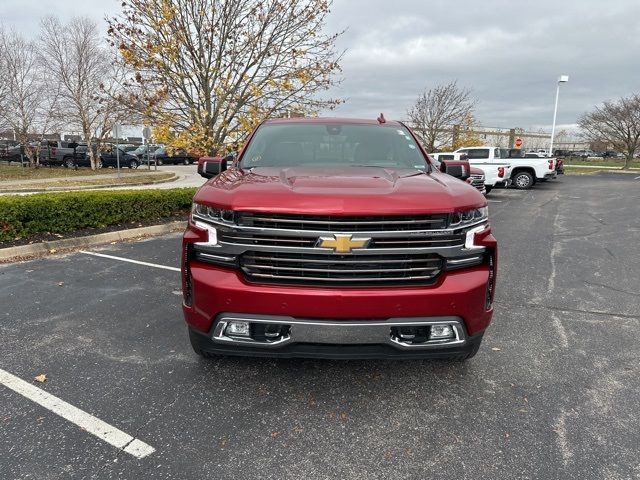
(594, 284)
(568, 310)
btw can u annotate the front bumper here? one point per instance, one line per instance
(337, 323)
(339, 351)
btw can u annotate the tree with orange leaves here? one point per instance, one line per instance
(205, 72)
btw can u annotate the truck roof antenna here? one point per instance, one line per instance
(381, 118)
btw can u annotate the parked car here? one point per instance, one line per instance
(582, 153)
(561, 153)
(352, 248)
(525, 172)
(143, 152)
(104, 159)
(542, 152)
(11, 152)
(164, 156)
(110, 159)
(57, 152)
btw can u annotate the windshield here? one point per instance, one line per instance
(322, 145)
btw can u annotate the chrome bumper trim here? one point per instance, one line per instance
(340, 332)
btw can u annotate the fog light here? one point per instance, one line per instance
(237, 329)
(407, 333)
(272, 331)
(441, 331)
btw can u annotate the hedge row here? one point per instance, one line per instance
(24, 216)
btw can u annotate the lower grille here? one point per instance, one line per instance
(341, 270)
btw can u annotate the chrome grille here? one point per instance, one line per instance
(343, 224)
(346, 270)
(477, 181)
(264, 239)
(419, 242)
(404, 241)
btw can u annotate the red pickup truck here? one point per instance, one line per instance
(334, 238)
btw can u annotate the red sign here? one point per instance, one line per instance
(518, 143)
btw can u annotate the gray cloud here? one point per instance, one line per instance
(509, 53)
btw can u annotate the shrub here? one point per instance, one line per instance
(27, 215)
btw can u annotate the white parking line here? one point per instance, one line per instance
(494, 201)
(87, 422)
(147, 264)
(636, 178)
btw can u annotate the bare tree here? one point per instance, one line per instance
(437, 110)
(207, 71)
(112, 109)
(3, 82)
(78, 61)
(22, 86)
(616, 122)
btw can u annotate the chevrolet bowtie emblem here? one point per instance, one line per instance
(343, 243)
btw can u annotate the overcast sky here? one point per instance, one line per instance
(509, 53)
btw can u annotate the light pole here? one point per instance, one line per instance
(561, 79)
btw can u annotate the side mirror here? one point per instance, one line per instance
(209, 167)
(455, 168)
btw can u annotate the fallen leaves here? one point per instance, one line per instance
(40, 378)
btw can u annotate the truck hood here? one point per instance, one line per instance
(338, 191)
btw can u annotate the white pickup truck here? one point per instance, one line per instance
(525, 172)
(494, 174)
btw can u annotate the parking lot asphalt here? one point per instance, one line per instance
(554, 392)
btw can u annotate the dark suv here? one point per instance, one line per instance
(105, 159)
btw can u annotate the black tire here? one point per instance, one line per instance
(158, 162)
(69, 163)
(133, 164)
(185, 161)
(488, 188)
(523, 180)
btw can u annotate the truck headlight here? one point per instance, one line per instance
(469, 217)
(207, 213)
(204, 217)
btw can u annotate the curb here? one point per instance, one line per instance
(89, 187)
(36, 249)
